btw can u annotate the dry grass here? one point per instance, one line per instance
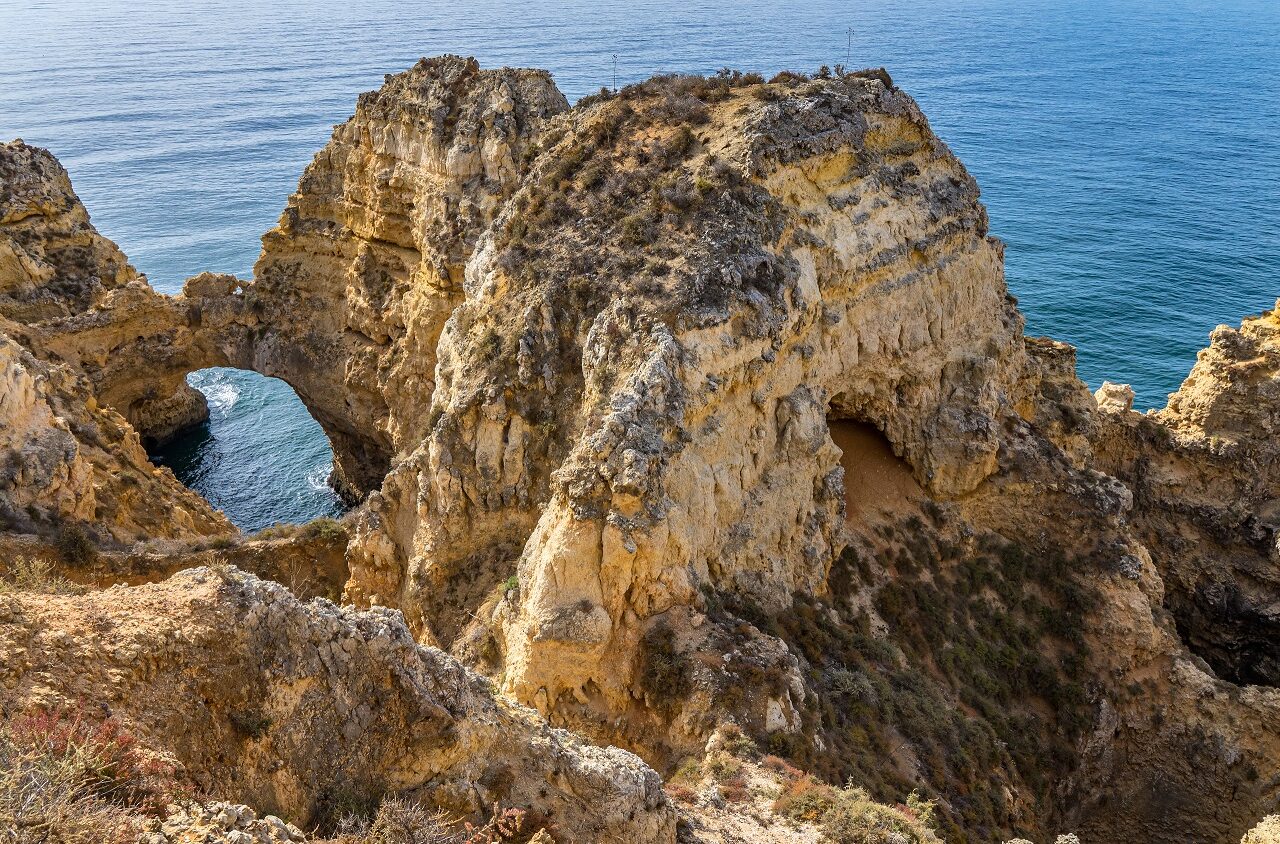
(31, 574)
(70, 780)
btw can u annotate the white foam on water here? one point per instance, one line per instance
(318, 478)
(221, 394)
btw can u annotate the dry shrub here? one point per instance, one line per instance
(849, 816)
(681, 793)
(734, 789)
(782, 766)
(30, 574)
(65, 778)
(805, 799)
(76, 546)
(398, 821)
(402, 821)
(504, 825)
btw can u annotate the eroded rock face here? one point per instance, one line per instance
(65, 459)
(1206, 471)
(633, 430)
(291, 706)
(356, 282)
(90, 357)
(69, 295)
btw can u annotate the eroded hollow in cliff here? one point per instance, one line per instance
(875, 479)
(261, 457)
(1236, 634)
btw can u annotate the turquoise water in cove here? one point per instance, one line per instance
(1128, 150)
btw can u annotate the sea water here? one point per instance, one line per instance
(1128, 150)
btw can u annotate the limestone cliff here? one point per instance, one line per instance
(635, 429)
(704, 402)
(84, 341)
(356, 282)
(69, 295)
(70, 464)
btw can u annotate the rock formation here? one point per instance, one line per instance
(84, 341)
(65, 460)
(354, 285)
(696, 404)
(71, 296)
(294, 705)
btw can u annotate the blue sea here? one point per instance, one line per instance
(1128, 150)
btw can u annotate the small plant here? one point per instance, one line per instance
(254, 723)
(330, 530)
(722, 767)
(31, 574)
(681, 793)
(504, 825)
(688, 773)
(75, 546)
(738, 743)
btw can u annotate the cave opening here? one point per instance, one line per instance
(875, 478)
(260, 458)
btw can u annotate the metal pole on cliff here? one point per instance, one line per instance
(848, 47)
(615, 73)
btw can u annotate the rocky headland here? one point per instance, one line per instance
(706, 489)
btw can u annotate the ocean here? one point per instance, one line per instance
(1128, 150)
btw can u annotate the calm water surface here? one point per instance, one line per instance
(1129, 152)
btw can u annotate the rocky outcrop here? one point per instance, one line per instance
(295, 708)
(628, 431)
(90, 358)
(70, 296)
(1206, 476)
(354, 285)
(1266, 832)
(67, 461)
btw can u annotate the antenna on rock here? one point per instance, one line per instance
(615, 73)
(848, 46)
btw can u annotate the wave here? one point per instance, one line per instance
(221, 394)
(318, 478)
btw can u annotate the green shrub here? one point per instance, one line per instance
(330, 530)
(278, 531)
(738, 743)
(849, 816)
